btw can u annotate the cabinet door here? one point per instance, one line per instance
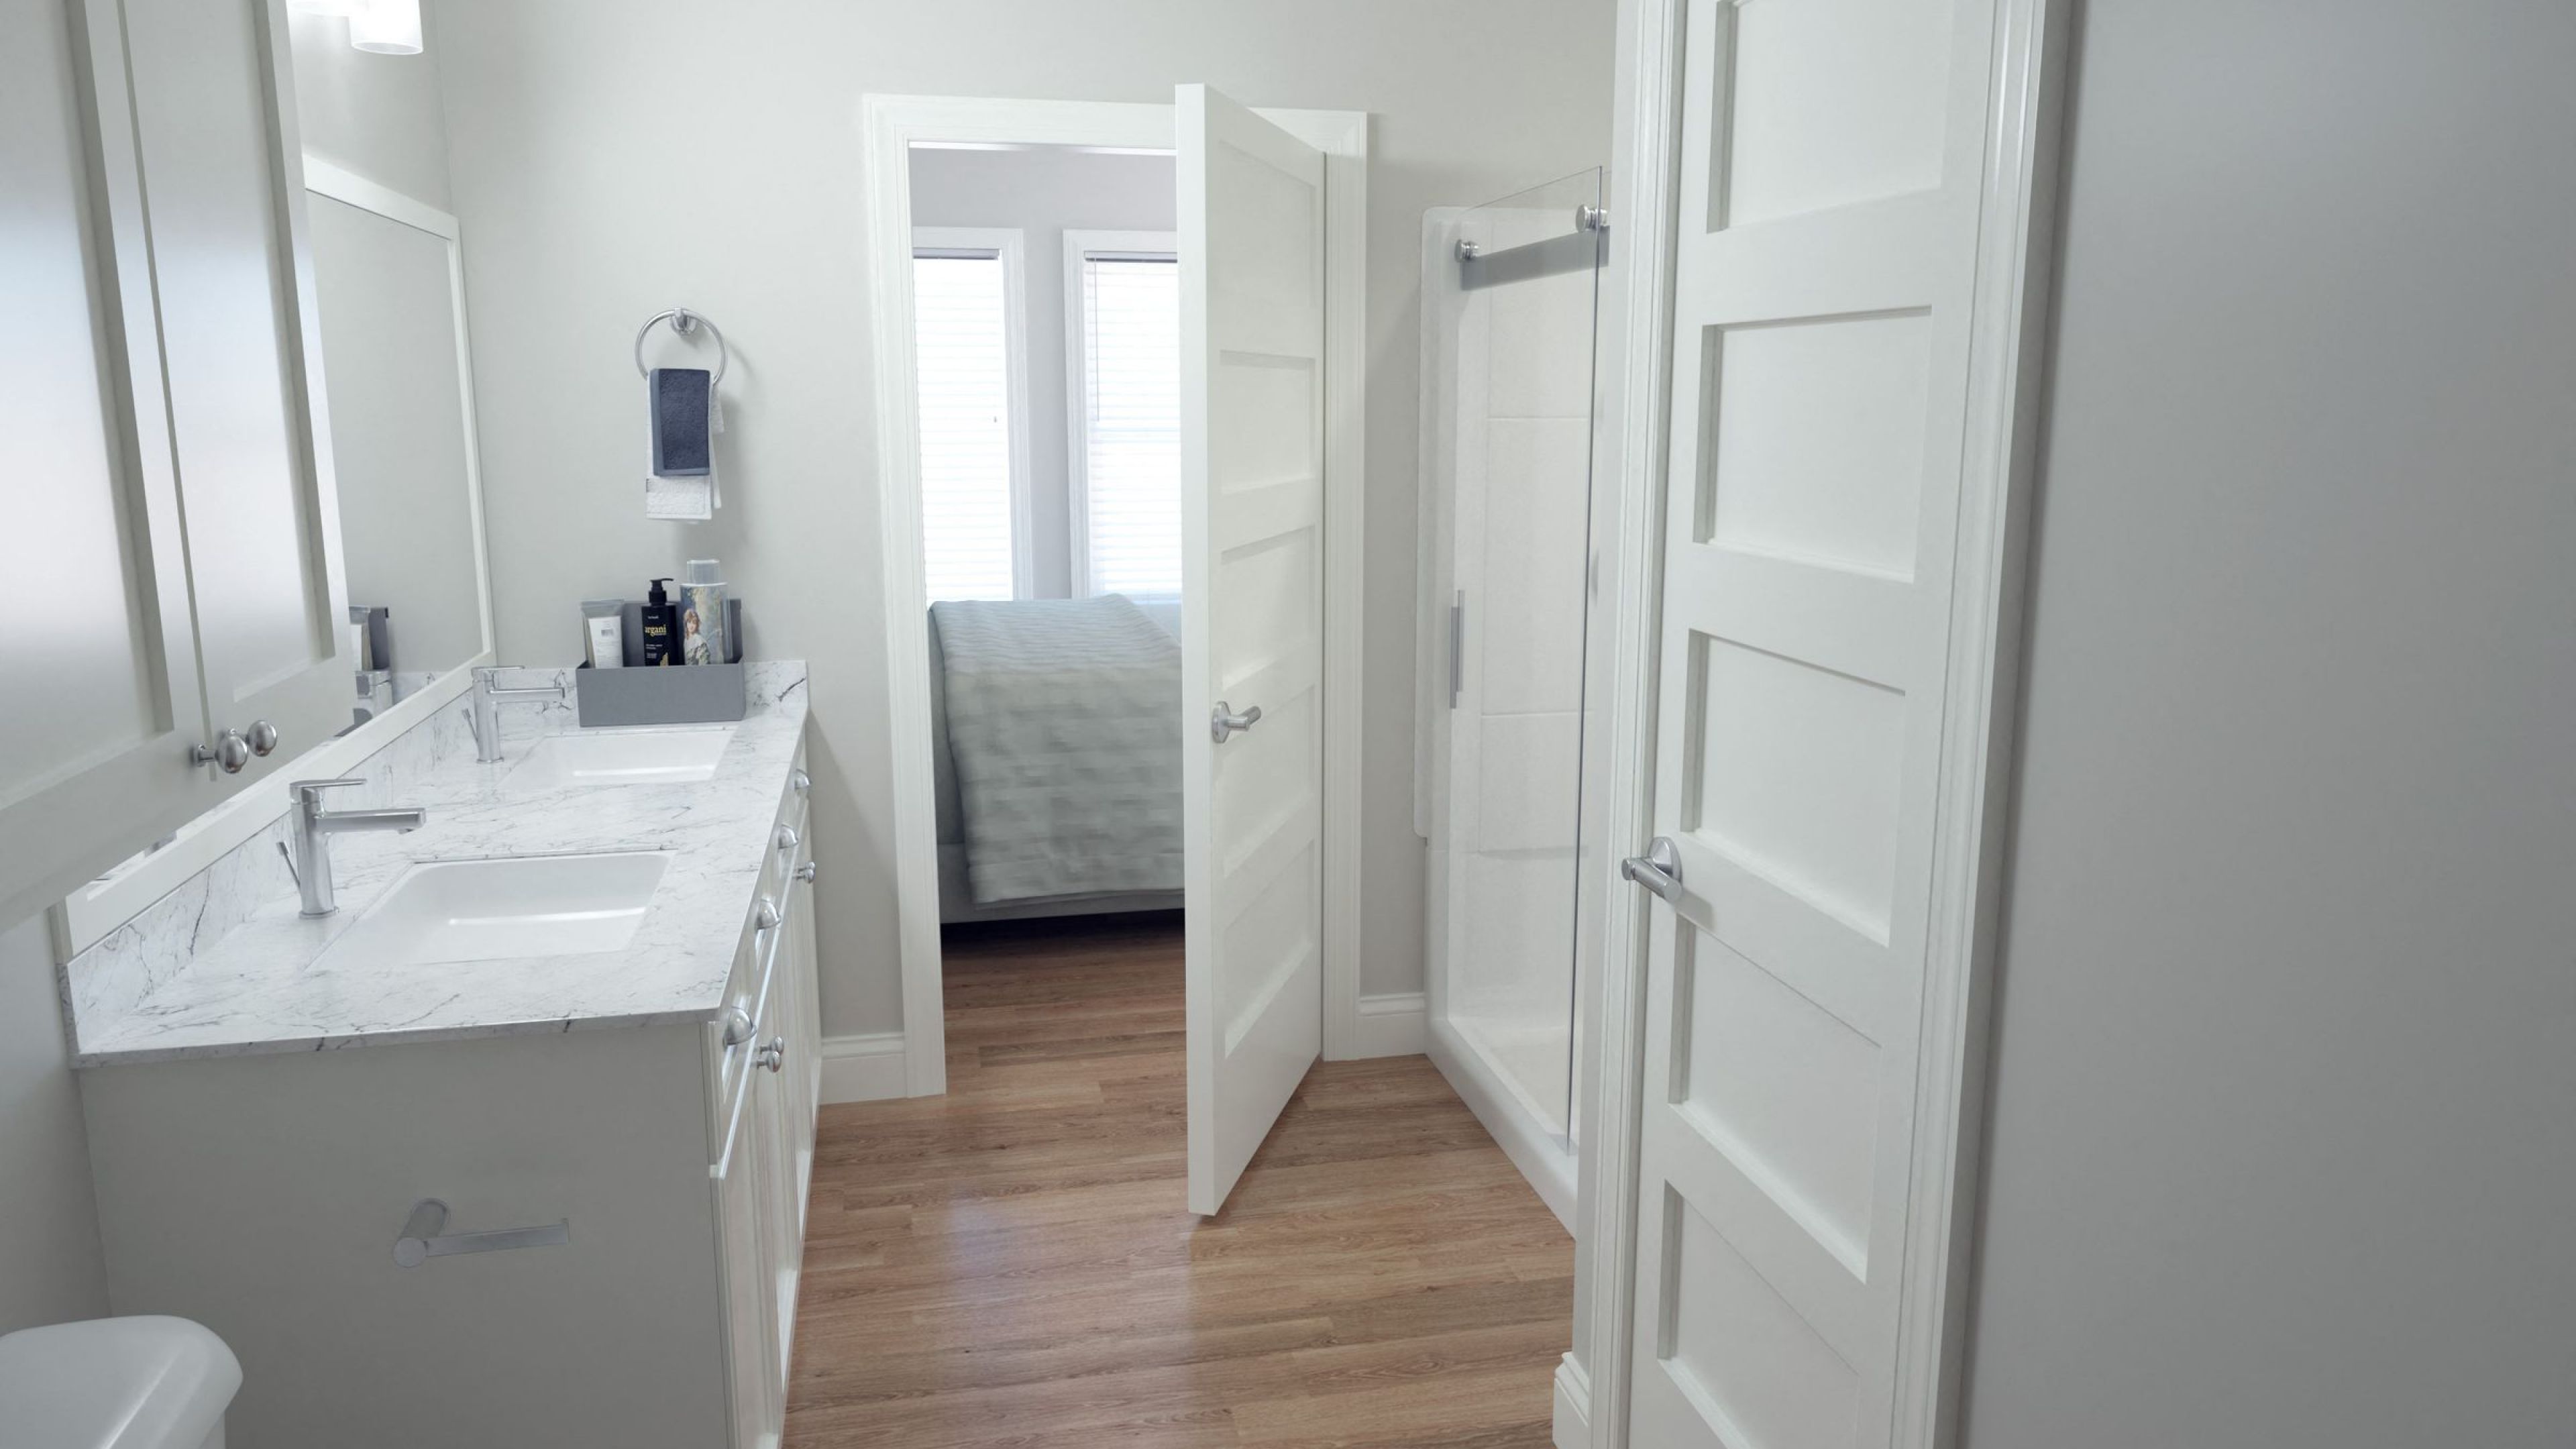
(782, 1234)
(743, 1219)
(101, 665)
(778, 1107)
(214, 122)
(805, 1060)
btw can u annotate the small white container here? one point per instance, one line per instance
(603, 627)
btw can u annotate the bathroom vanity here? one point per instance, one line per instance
(513, 1148)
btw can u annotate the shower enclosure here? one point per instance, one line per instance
(1508, 752)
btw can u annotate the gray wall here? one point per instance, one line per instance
(1040, 194)
(2283, 1144)
(49, 1258)
(614, 157)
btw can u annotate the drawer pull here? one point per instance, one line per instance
(422, 1239)
(737, 1026)
(786, 838)
(805, 872)
(767, 917)
(774, 1055)
(804, 782)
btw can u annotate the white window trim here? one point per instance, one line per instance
(1009, 244)
(1077, 400)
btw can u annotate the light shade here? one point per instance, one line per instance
(386, 27)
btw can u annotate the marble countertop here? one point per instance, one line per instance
(161, 988)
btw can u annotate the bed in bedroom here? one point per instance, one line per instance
(1056, 755)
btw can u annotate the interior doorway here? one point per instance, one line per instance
(1027, 441)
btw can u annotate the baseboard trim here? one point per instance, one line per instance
(1573, 1423)
(866, 1068)
(1541, 1159)
(1393, 1025)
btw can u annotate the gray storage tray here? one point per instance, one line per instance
(680, 694)
(673, 694)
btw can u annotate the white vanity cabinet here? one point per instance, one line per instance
(175, 563)
(263, 1195)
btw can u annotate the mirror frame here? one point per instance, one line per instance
(91, 912)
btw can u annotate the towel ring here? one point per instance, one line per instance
(683, 321)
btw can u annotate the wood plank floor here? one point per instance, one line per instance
(1011, 1264)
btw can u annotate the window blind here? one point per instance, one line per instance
(961, 323)
(1131, 336)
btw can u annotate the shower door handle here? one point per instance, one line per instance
(1658, 870)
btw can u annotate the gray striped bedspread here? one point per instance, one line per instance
(1063, 718)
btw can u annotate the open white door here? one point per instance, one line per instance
(1251, 223)
(1831, 562)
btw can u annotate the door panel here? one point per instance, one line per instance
(1251, 211)
(94, 757)
(1832, 153)
(215, 127)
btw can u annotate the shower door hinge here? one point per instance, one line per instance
(1457, 646)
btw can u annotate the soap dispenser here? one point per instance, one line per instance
(661, 627)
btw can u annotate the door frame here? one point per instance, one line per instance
(2014, 270)
(892, 125)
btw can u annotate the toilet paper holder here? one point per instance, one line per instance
(422, 1238)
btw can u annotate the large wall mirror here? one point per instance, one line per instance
(386, 275)
(396, 375)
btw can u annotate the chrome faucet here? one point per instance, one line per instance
(488, 700)
(314, 827)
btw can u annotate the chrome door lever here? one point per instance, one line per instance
(1658, 870)
(421, 1239)
(1222, 723)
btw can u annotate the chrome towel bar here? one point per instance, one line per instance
(422, 1239)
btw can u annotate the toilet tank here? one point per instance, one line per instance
(116, 1383)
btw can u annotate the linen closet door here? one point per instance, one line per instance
(223, 181)
(1251, 222)
(1829, 210)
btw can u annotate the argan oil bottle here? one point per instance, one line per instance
(661, 627)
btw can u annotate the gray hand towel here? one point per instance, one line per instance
(683, 446)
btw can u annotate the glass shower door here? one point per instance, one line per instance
(1517, 426)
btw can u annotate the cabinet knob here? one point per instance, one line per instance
(263, 738)
(766, 918)
(805, 872)
(804, 782)
(229, 753)
(786, 837)
(774, 1055)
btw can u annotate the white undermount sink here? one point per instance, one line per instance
(622, 757)
(490, 910)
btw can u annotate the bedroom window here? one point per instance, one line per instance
(1123, 333)
(968, 329)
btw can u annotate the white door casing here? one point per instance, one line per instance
(1838, 550)
(1251, 225)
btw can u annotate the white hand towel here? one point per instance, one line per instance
(680, 500)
